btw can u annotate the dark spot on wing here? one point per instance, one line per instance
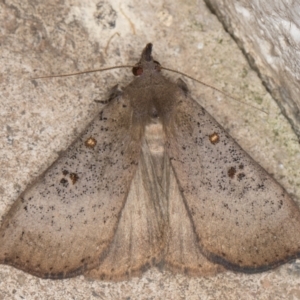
(231, 172)
(240, 176)
(64, 182)
(65, 172)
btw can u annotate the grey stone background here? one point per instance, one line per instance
(39, 118)
(269, 34)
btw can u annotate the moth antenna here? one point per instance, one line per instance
(164, 68)
(212, 87)
(83, 72)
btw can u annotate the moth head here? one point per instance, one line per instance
(146, 62)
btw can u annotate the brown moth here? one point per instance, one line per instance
(154, 180)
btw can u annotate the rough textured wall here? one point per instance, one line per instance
(40, 118)
(269, 34)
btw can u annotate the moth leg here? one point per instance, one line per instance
(114, 93)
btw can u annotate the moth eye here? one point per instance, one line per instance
(137, 71)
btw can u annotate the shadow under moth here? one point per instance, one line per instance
(153, 180)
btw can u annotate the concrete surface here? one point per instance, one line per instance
(39, 118)
(269, 34)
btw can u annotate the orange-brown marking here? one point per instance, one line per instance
(74, 177)
(214, 138)
(90, 142)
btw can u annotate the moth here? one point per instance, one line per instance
(153, 180)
